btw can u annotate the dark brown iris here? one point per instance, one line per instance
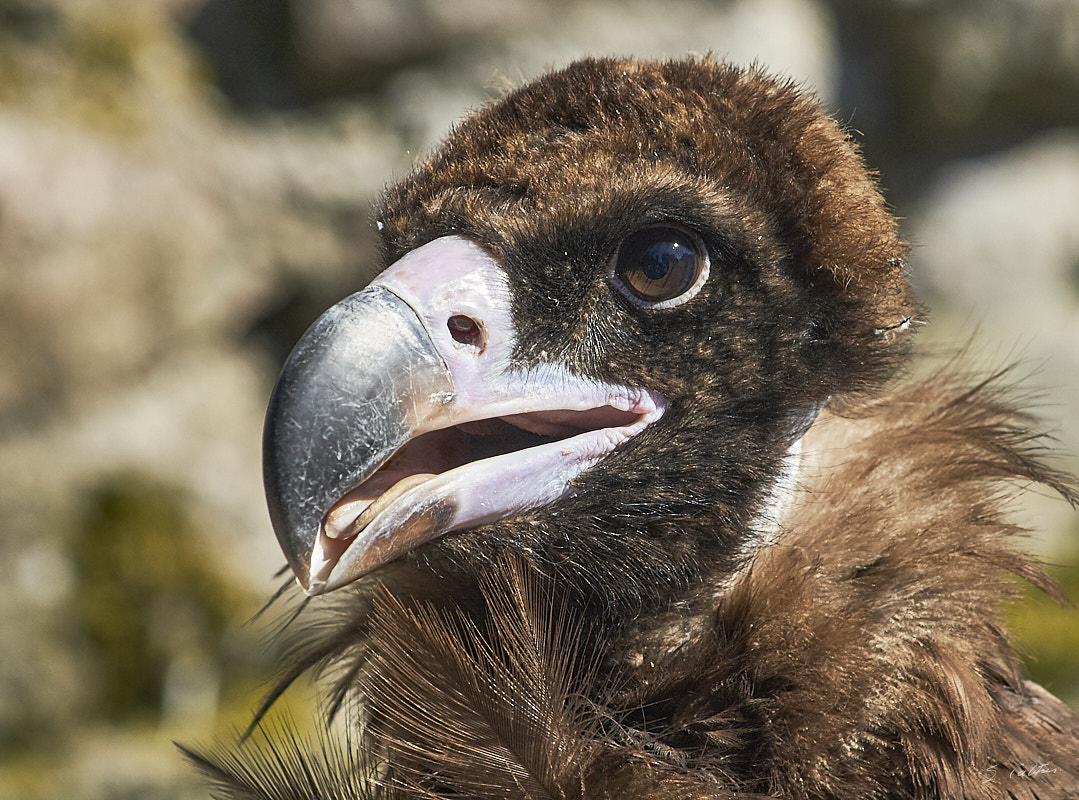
(659, 263)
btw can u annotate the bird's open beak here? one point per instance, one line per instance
(400, 416)
(360, 381)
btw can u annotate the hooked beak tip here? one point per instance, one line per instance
(320, 439)
(325, 555)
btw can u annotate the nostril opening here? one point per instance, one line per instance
(466, 331)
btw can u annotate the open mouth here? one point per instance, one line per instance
(479, 471)
(404, 413)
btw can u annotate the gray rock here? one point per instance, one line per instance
(997, 248)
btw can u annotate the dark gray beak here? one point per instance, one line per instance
(351, 394)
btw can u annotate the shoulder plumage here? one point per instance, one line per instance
(866, 641)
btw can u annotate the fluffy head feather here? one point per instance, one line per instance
(557, 172)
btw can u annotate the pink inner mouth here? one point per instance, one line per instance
(436, 452)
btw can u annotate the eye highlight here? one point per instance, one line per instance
(660, 266)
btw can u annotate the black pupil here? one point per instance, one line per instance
(661, 257)
(658, 263)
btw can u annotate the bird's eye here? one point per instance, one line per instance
(660, 266)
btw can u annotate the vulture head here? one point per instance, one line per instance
(611, 305)
(608, 463)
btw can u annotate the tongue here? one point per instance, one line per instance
(353, 511)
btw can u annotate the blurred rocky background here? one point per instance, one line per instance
(185, 184)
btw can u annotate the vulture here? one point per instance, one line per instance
(617, 482)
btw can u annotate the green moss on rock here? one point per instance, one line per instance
(1048, 634)
(150, 600)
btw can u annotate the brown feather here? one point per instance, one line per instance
(500, 711)
(865, 648)
(279, 764)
